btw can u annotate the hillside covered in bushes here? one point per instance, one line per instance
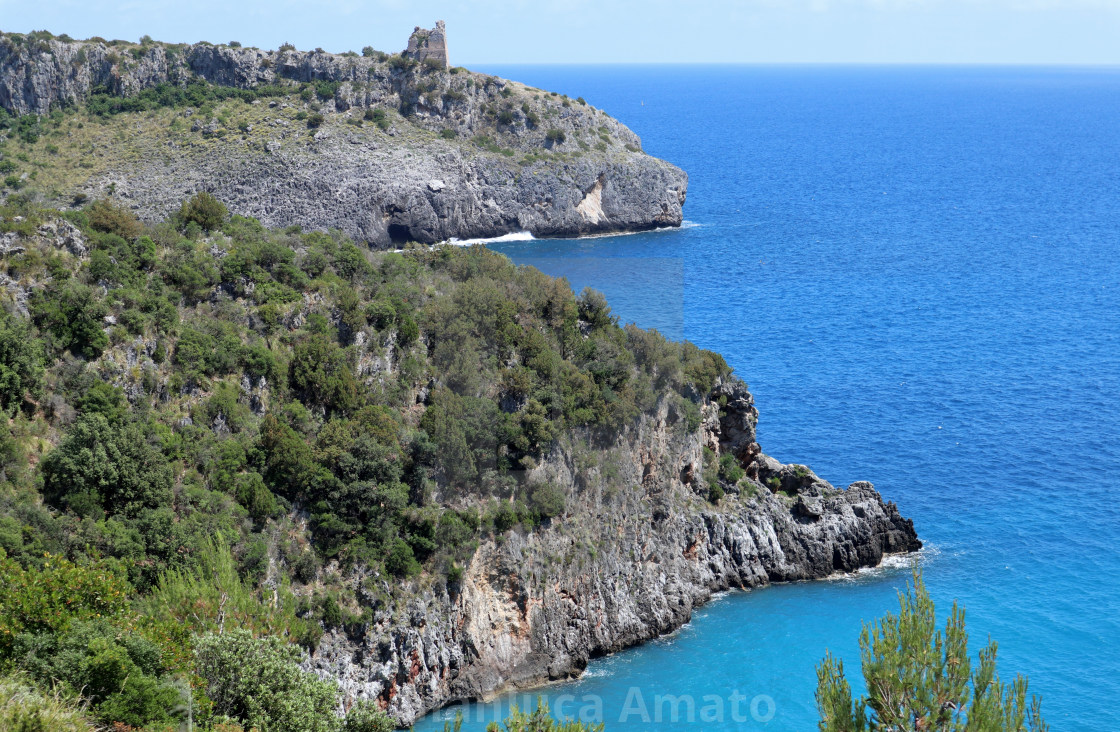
(211, 426)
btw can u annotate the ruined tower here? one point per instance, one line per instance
(428, 44)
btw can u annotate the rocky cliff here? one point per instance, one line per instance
(638, 545)
(636, 552)
(389, 149)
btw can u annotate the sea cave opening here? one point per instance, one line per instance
(399, 234)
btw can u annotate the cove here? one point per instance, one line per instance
(917, 270)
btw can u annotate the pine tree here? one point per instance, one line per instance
(920, 679)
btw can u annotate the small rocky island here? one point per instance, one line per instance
(388, 148)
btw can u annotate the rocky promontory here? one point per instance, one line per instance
(636, 552)
(387, 148)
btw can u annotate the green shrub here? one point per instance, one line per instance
(379, 117)
(593, 309)
(326, 89)
(366, 716)
(100, 468)
(320, 372)
(729, 468)
(547, 500)
(555, 136)
(211, 349)
(254, 495)
(258, 682)
(26, 708)
(205, 210)
(703, 368)
(104, 215)
(401, 561)
(103, 102)
(711, 474)
(452, 532)
(119, 673)
(329, 612)
(690, 414)
(211, 595)
(106, 400)
(397, 62)
(21, 363)
(505, 517)
(539, 720)
(48, 598)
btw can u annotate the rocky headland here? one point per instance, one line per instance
(387, 148)
(638, 547)
(636, 552)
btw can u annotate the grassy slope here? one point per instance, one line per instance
(75, 152)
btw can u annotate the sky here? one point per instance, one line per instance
(620, 31)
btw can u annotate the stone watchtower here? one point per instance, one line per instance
(428, 44)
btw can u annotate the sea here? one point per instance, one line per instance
(917, 271)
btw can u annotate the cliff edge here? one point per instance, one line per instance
(387, 148)
(636, 552)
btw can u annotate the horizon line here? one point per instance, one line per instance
(956, 64)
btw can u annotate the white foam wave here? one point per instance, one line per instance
(512, 236)
(527, 236)
(890, 563)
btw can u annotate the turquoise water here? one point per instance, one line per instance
(917, 271)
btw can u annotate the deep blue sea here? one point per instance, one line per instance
(917, 270)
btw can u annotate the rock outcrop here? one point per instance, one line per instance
(636, 552)
(354, 145)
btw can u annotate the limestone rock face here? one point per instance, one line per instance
(429, 44)
(388, 194)
(633, 555)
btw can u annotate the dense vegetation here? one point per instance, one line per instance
(209, 423)
(919, 678)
